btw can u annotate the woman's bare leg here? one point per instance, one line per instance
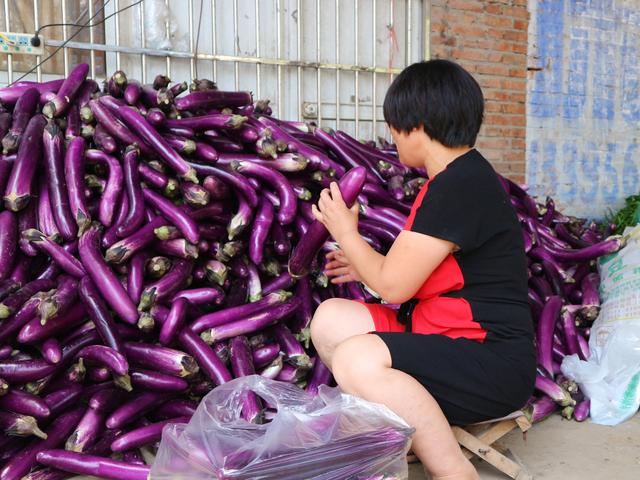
(334, 321)
(362, 366)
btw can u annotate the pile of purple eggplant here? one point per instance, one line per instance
(564, 297)
(157, 240)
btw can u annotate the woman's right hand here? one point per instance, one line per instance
(338, 266)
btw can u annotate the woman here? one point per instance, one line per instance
(460, 349)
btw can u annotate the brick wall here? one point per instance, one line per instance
(489, 38)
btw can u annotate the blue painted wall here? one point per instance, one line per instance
(583, 106)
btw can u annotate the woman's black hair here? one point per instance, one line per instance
(439, 96)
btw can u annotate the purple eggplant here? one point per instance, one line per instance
(156, 117)
(176, 216)
(104, 141)
(100, 315)
(74, 178)
(239, 182)
(137, 122)
(15, 424)
(18, 190)
(22, 113)
(121, 251)
(144, 435)
(174, 321)
(281, 282)
(200, 296)
(84, 464)
(8, 242)
(132, 92)
(158, 266)
(260, 231)
(110, 196)
(242, 365)
(24, 403)
(60, 300)
(59, 104)
(176, 408)
(293, 350)
(104, 278)
(320, 375)
(546, 325)
(34, 331)
(251, 323)
(217, 188)
(167, 285)
(213, 99)
(113, 360)
(581, 412)
(135, 216)
(23, 461)
(554, 391)
(161, 359)
(134, 408)
(211, 121)
(54, 163)
(58, 254)
(15, 301)
(115, 127)
(350, 186)
(157, 382)
(135, 278)
(87, 431)
(263, 356)
(207, 359)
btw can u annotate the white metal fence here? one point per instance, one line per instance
(324, 60)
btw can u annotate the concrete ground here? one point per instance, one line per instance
(557, 449)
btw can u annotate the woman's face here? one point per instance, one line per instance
(408, 145)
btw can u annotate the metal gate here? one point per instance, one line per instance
(329, 61)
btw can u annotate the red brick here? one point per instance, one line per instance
(468, 5)
(515, 36)
(517, 11)
(493, 9)
(493, 69)
(502, 22)
(472, 31)
(520, 25)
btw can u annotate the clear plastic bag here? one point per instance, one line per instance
(611, 375)
(332, 436)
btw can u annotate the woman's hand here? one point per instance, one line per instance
(339, 267)
(334, 214)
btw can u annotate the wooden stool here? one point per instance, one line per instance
(480, 440)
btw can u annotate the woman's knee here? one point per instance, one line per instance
(323, 317)
(360, 360)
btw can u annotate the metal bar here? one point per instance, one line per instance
(235, 44)
(279, 54)
(168, 34)
(409, 32)
(258, 72)
(143, 57)
(117, 30)
(357, 77)
(299, 62)
(338, 61)
(36, 25)
(318, 59)
(374, 103)
(65, 51)
(214, 44)
(92, 52)
(192, 61)
(426, 29)
(7, 27)
(223, 58)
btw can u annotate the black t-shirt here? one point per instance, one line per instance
(467, 205)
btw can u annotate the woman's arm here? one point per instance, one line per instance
(397, 276)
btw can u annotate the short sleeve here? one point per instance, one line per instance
(449, 213)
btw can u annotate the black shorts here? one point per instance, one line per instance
(471, 381)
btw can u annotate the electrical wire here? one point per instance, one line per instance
(195, 64)
(80, 29)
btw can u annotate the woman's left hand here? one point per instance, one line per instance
(334, 214)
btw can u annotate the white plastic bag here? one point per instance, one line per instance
(332, 436)
(161, 29)
(611, 376)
